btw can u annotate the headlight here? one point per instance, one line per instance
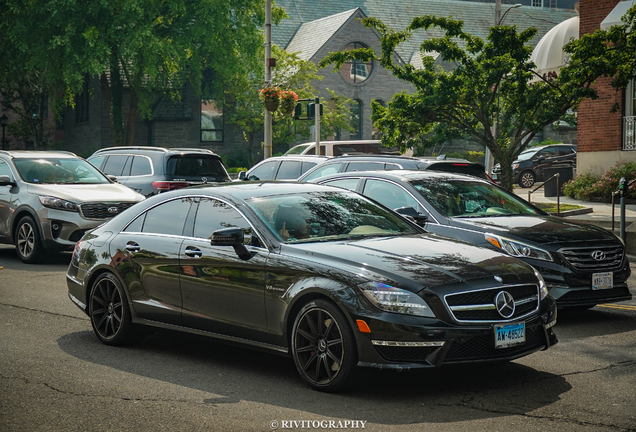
(391, 299)
(518, 249)
(57, 203)
(543, 289)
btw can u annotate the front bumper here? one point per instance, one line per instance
(406, 342)
(62, 229)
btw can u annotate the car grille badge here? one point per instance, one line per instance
(505, 304)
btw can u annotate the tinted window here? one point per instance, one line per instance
(307, 166)
(141, 166)
(289, 170)
(137, 224)
(97, 161)
(460, 168)
(562, 151)
(323, 170)
(349, 183)
(213, 215)
(548, 152)
(389, 194)
(115, 165)
(196, 166)
(168, 218)
(264, 171)
(365, 166)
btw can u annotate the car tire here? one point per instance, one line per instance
(323, 346)
(109, 312)
(27, 241)
(527, 179)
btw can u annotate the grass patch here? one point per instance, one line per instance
(552, 208)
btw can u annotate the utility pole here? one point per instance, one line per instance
(267, 146)
(317, 113)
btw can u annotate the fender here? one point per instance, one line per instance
(19, 213)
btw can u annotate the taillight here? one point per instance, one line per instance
(163, 186)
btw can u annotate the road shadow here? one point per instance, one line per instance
(447, 394)
(9, 259)
(599, 321)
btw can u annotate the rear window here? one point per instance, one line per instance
(184, 166)
(460, 168)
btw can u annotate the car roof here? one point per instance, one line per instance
(30, 154)
(404, 175)
(153, 150)
(298, 157)
(536, 148)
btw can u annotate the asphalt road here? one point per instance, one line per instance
(56, 376)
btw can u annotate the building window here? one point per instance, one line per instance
(211, 122)
(356, 120)
(355, 71)
(81, 106)
(537, 3)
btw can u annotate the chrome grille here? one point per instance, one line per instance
(100, 210)
(583, 258)
(479, 305)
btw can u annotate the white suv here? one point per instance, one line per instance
(48, 200)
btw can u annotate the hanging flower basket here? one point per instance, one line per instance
(270, 97)
(288, 102)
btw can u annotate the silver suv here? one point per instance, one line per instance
(48, 200)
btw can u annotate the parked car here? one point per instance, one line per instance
(151, 170)
(583, 265)
(319, 273)
(385, 162)
(338, 148)
(48, 200)
(531, 163)
(282, 168)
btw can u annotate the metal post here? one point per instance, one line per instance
(497, 12)
(558, 195)
(621, 188)
(613, 224)
(317, 113)
(4, 120)
(267, 145)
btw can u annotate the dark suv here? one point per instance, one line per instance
(530, 164)
(342, 164)
(151, 170)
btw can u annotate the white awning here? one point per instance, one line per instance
(548, 55)
(614, 17)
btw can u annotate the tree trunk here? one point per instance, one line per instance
(132, 118)
(117, 96)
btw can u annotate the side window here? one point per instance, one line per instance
(137, 224)
(324, 170)
(140, 166)
(97, 161)
(307, 166)
(213, 215)
(349, 183)
(265, 171)
(167, 218)
(548, 152)
(5, 170)
(392, 166)
(365, 166)
(389, 194)
(115, 165)
(289, 170)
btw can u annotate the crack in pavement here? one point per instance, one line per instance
(43, 311)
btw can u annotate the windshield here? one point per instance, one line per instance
(454, 198)
(184, 166)
(327, 216)
(525, 155)
(58, 171)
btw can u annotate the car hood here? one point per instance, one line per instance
(415, 262)
(537, 229)
(84, 193)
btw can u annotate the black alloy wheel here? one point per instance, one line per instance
(323, 346)
(109, 311)
(526, 179)
(27, 241)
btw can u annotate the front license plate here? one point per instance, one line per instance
(509, 335)
(602, 281)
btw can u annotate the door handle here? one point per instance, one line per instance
(193, 252)
(133, 247)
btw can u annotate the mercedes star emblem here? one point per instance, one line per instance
(505, 304)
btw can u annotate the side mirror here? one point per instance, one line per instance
(242, 175)
(410, 212)
(112, 178)
(234, 237)
(5, 180)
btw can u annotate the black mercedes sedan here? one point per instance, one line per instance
(316, 272)
(583, 265)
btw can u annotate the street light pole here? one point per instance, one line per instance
(267, 145)
(4, 120)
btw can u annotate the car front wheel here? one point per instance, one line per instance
(109, 312)
(526, 179)
(323, 346)
(27, 241)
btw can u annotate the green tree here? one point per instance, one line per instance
(492, 95)
(137, 48)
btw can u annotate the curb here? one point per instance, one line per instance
(574, 212)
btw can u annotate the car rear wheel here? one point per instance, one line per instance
(323, 346)
(109, 312)
(27, 241)
(526, 179)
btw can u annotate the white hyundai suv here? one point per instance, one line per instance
(48, 200)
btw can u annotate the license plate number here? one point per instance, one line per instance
(602, 281)
(510, 335)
